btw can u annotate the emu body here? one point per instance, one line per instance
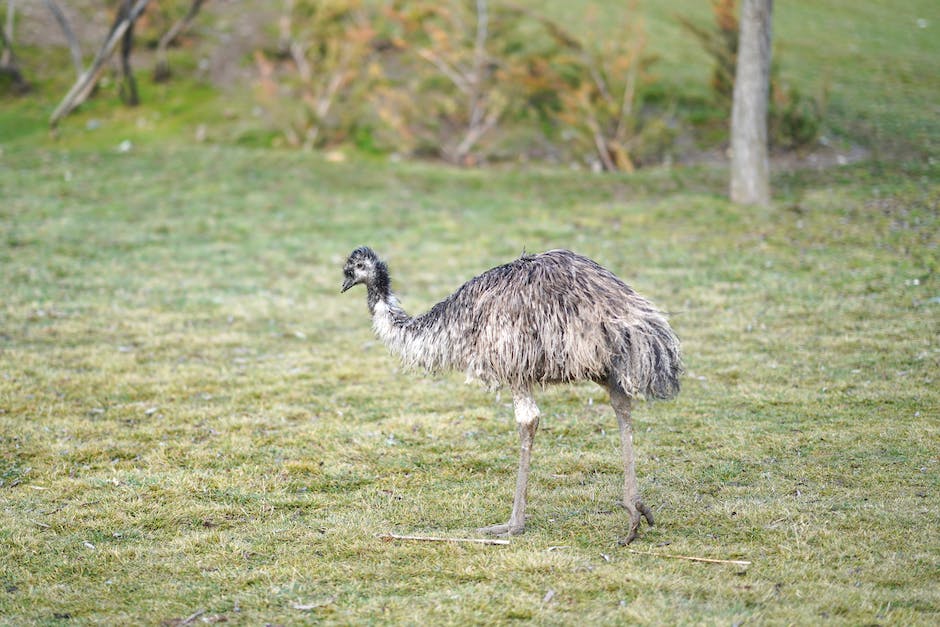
(554, 317)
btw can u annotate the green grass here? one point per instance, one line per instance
(193, 418)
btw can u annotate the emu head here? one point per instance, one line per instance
(364, 266)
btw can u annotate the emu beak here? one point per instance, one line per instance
(347, 283)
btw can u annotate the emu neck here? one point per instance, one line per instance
(389, 320)
(383, 304)
(379, 288)
(421, 341)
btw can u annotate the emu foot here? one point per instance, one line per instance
(637, 510)
(507, 529)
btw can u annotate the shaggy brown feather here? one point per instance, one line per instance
(548, 318)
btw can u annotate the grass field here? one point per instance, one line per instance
(196, 427)
(194, 419)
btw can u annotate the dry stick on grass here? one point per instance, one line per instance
(392, 536)
(692, 559)
(189, 619)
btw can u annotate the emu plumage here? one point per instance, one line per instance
(553, 317)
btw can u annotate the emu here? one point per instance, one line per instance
(553, 317)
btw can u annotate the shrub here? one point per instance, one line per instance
(313, 86)
(794, 120)
(463, 80)
(599, 95)
(459, 71)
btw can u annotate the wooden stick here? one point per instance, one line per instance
(392, 536)
(189, 619)
(692, 559)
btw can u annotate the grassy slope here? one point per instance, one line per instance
(193, 418)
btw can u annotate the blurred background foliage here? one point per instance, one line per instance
(599, 85)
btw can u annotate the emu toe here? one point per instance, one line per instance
(637, 510)
(506, 529)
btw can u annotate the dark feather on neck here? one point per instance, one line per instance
(380, 287)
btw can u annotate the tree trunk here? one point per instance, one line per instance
(86, 82)
(750, 170)
(162, 71)
(129, 84)
(7, 57)
(8, 64)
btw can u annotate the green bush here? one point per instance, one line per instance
(794, 119)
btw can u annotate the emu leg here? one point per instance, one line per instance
(631, 493)
(527, 419)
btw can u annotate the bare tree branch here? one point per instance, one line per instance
(455, 77)
(479, 43)
(162, 70)
(602, 151)
(323, 102)
(479, 66)
(298, 53)
(86, 82)
(475, 133)
(481, 121)
(63, 21)
(629, 94)
(285, 26)
(7, 59)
